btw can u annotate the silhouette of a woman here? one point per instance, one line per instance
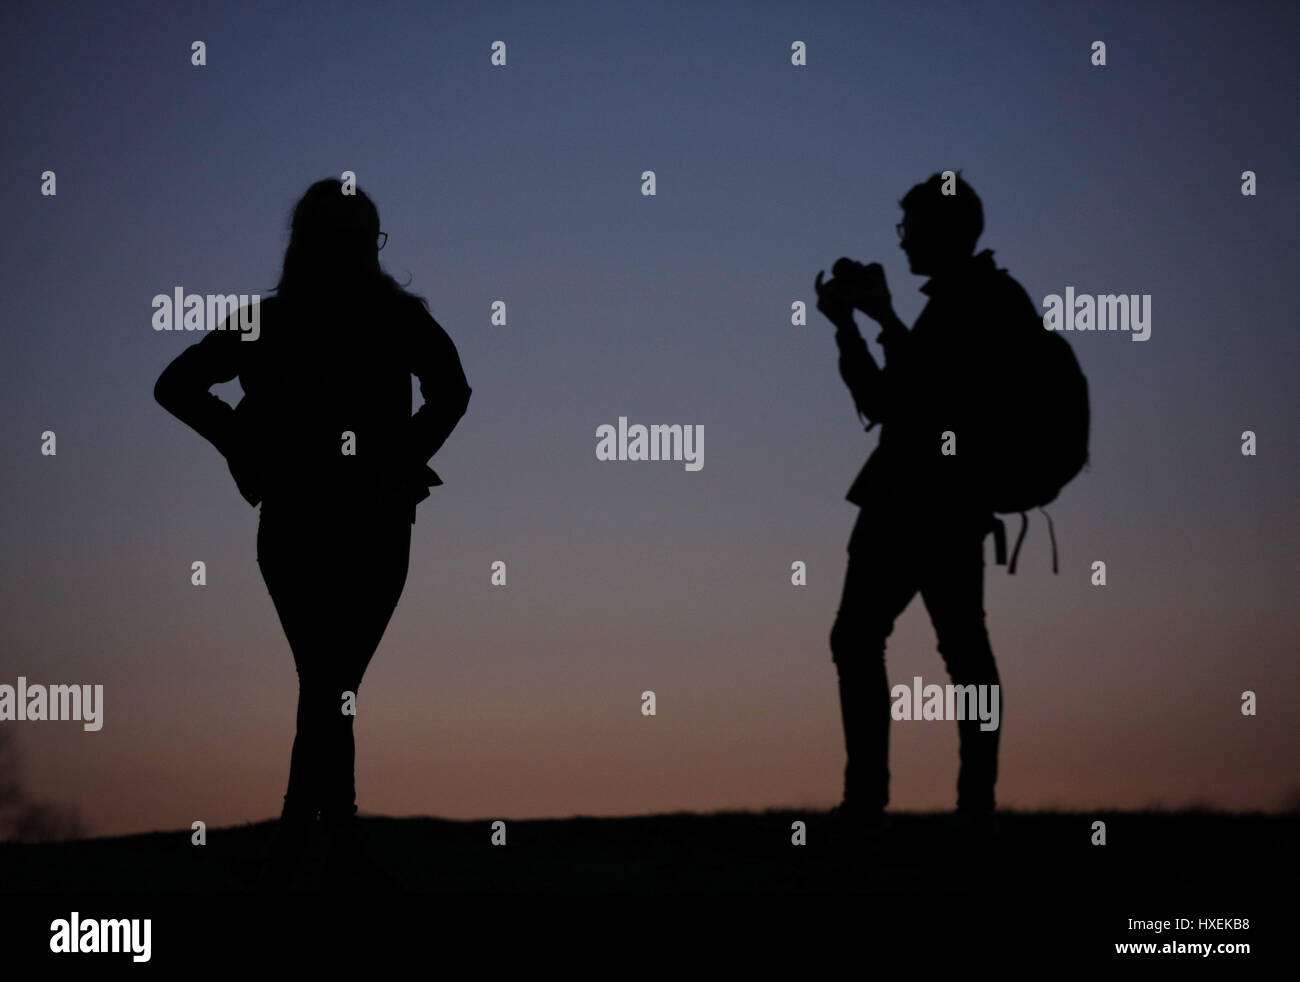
(325, 440)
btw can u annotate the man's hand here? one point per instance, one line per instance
(865, 288)
(833, 301)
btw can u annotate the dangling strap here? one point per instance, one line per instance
(1051, 532)
(999, 541)
(1015, 553)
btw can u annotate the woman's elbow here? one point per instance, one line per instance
(873, 409)
(164, 392)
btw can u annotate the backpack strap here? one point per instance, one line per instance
(1015, 553)
(1051, 531)
(999, 541)
(1024, 527)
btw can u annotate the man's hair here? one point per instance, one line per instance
(961, 212)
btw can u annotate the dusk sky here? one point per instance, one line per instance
(523, 183)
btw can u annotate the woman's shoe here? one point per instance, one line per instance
(281, 862)
(348, 868)
(853, 827)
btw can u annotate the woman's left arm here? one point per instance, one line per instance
(446, 392)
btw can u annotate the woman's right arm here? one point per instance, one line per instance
(182, 388)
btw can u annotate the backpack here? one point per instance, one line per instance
(1035, 439)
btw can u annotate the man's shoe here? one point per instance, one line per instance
(976, 826)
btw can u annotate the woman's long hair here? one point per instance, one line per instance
(333, 252)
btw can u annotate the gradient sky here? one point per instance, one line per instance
(523, 183)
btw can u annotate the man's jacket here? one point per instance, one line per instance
(937, 378)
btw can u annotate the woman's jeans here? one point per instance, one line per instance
(335, 576)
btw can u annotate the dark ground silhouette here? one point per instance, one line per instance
(1043, 853)
(1040, 894)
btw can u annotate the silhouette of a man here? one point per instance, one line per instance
(923, 519)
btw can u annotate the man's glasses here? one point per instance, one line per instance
(902, 232)
(383, 239)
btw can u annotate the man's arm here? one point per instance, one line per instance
(868, 292)
(865, 379)
(868, 383)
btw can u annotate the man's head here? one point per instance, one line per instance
(940, 230)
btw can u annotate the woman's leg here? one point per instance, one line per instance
(335, 584)
(372, 569)
(289, 562)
